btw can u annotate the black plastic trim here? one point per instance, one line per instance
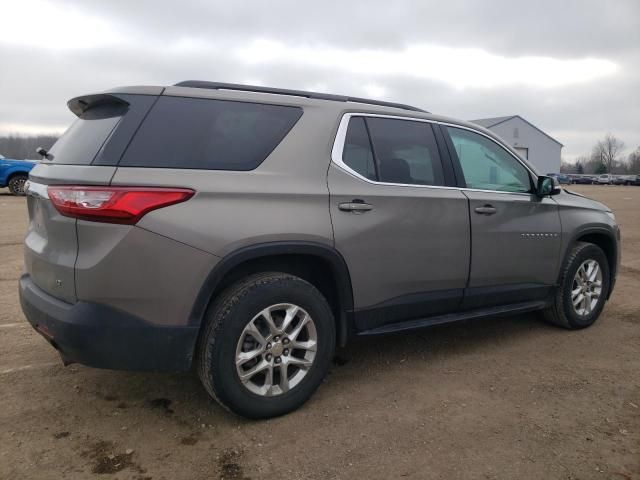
(296, 93)
(338, 265)
(446, 160)
(407, 307)
(496, 295)
(453, 156)
(591, 230)
(103, 337)
(456, 317)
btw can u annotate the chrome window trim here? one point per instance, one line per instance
(341, 134)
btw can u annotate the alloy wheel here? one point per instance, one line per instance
(276, 349)
(586, 288)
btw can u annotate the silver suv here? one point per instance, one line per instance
(247, 231)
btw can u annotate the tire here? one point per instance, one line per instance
(16, 184)
(562, 311)
(228, 319)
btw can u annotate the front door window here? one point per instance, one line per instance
(486, 165)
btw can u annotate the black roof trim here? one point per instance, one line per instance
(296, 93)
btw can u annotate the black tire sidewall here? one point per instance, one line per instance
(223, 375)
(586, 253)
(11, 185)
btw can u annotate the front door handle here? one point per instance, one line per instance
(486, 210)
(355, 206)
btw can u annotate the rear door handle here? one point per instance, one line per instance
(486, 210)
(355, 206)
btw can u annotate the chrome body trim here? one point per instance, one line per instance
(341, 134)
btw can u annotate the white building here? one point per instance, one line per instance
(542, 150)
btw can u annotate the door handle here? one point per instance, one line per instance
(355, 206)
(486, 210)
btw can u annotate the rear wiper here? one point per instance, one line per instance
(45, 155)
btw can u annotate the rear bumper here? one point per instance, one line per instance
(102, 337)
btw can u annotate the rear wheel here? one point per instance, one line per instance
(267, 345)
(583, 289)
(16, 184)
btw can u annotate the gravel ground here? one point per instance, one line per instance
(498, 398)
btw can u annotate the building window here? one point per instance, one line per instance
(516, 133)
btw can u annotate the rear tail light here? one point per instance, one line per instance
(125, 205)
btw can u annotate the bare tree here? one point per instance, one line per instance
(585, 164)
(566, 167)
(633, 162)
(607, 151)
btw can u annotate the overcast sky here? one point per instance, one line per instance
(570, 67)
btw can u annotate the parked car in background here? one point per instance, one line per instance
(561, 177)
(14, 174)
(627, 180)
(618, 180)
(604, 179)
(234, 230)
(582, 179)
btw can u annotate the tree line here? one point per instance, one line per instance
(22, 147)
(606, 157)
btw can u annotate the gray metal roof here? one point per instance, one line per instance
(493, 121)
(490, 122)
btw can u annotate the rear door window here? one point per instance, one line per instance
(406, 151)
(82, 141)
(393, 151)
(209, 134)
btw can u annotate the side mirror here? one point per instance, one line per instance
(547, 186)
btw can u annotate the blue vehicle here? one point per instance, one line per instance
(14, 174)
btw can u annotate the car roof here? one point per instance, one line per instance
(336, 104)
(276, 96)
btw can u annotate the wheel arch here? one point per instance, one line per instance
(604, 238)
(321, 265)
(15, 172)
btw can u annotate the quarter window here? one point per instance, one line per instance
(486, 165)
(209, 134)
(393, 151)
(357, 154)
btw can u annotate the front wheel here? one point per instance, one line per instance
(16, 184)
(583, 289)
(267, 345)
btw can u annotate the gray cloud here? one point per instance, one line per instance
(38, 81)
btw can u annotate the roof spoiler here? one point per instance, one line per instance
(79, 105)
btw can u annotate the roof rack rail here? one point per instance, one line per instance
(296, 93)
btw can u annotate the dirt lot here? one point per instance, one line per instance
(500, 398)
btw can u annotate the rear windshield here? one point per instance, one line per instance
(83, 139)
(209, 134)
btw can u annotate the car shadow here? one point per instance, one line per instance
(183, 393)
